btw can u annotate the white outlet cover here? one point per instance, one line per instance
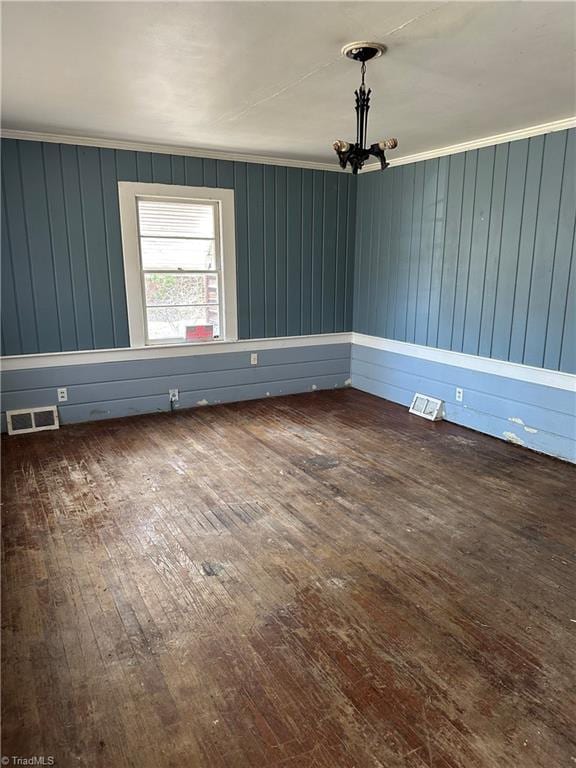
(62, 394)
(459, 394)
(254, 358)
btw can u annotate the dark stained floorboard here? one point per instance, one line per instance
(317, 581)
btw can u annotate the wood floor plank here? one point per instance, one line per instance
(316, 581)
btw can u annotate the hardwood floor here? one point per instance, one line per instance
(317, 581)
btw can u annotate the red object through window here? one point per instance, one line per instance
(194, 332)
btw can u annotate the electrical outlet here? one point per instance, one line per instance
(459, 395)
(62, 395)
(254, 358)
(174, 395)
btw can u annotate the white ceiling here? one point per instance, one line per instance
(267, 77)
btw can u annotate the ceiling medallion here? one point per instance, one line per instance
(358, 153)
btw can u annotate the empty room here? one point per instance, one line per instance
(288, 380)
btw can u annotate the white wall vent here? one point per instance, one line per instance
(32, 420)
(427, 407)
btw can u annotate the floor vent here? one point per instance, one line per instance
(427, 407)
(32, 420)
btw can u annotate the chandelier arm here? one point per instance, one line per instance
(376, 151)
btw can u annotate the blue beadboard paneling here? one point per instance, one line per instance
(473, 252)
(270, 248)
(60, 246)
(63, 275)
(493, 250)
(341, 244)
(83, 305)
(16, 251)
(307, 249)
(545, 246)
(317, 251)
(349, 251)
(560, 292)
(281, 250)
(328, 251)
(107, 390)
(97, 256)
(37, 225)
(452, 229)
(294, 250)
(538, 417)
(255, 185)
(11, 336)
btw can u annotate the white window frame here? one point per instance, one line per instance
(128, 193)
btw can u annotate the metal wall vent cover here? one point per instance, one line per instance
(427, 407)
(32, 420)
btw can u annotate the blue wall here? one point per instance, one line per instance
(533, 415)
(473, 252)
(62, 267)
(107, 390)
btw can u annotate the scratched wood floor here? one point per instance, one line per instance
(317, 581)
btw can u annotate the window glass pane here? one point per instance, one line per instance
(164, 253)
(175, 219)
(183, 323)
(163, 288)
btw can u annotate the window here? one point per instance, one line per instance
(180, 258)
(179, 263)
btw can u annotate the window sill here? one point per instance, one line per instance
(179, 343)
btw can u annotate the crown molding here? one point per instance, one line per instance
(167, 149)
(487, 141)
(212, 154)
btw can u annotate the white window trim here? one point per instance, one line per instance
(128, 192)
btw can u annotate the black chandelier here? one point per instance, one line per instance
(358, 153)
